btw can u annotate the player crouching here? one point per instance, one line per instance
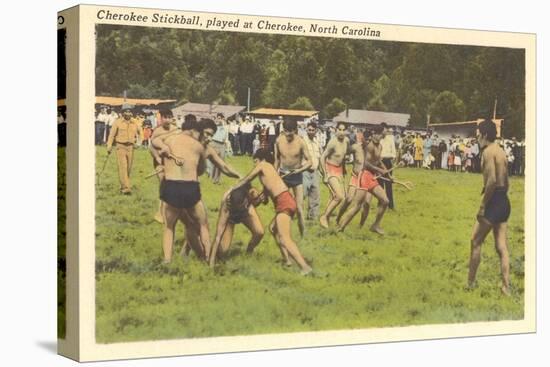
(285, 206)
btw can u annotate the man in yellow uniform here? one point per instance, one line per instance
(125, 132)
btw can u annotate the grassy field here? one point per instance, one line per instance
(413, 275)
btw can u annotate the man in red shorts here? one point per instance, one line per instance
(369, 184)
(332, 170)
(356, 149)
(285, 206)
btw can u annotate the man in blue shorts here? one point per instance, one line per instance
(495, 207)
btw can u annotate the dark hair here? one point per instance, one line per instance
(219, 114)
(166, 113)
(488, 129)
(378, 129)
(237, 201)
(383, 124)
(341, 123)
(290, 125)
(312, 124)
(204, 124)
(189, 122)
(264, 155)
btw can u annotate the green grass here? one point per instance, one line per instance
(413, 275)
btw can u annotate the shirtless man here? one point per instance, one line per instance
(354, 196)
(238, 206)
(189, 127)
(166, 127)
(495, 207)
(185, 154)
(332, 170)
(367, 183)
(291, 160)
(285, 206)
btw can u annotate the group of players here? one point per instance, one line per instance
(180, 155)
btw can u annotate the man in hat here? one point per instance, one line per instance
(125, 133)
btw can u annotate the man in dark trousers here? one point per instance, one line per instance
(388, 156)
(125, 133)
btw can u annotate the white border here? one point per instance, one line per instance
(92, 351)
(28, 272)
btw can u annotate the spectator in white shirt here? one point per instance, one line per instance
(233, 130)
(100, 122)
(271, 135)
(112, 117)
(312, 191)
(388, 156)
(247, 127)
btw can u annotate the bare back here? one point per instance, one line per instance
(271, 180)
(187, 150)
(290, 154)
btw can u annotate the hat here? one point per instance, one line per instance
(126, 106)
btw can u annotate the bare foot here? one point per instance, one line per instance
(306, 271)
(158, 217)
(323, 221)
(377, 229)
(505, 290)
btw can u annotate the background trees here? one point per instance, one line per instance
(449, 82)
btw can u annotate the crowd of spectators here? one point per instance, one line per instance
(456, 154)
(243, 135)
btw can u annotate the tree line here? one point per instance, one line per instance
(447, 82)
